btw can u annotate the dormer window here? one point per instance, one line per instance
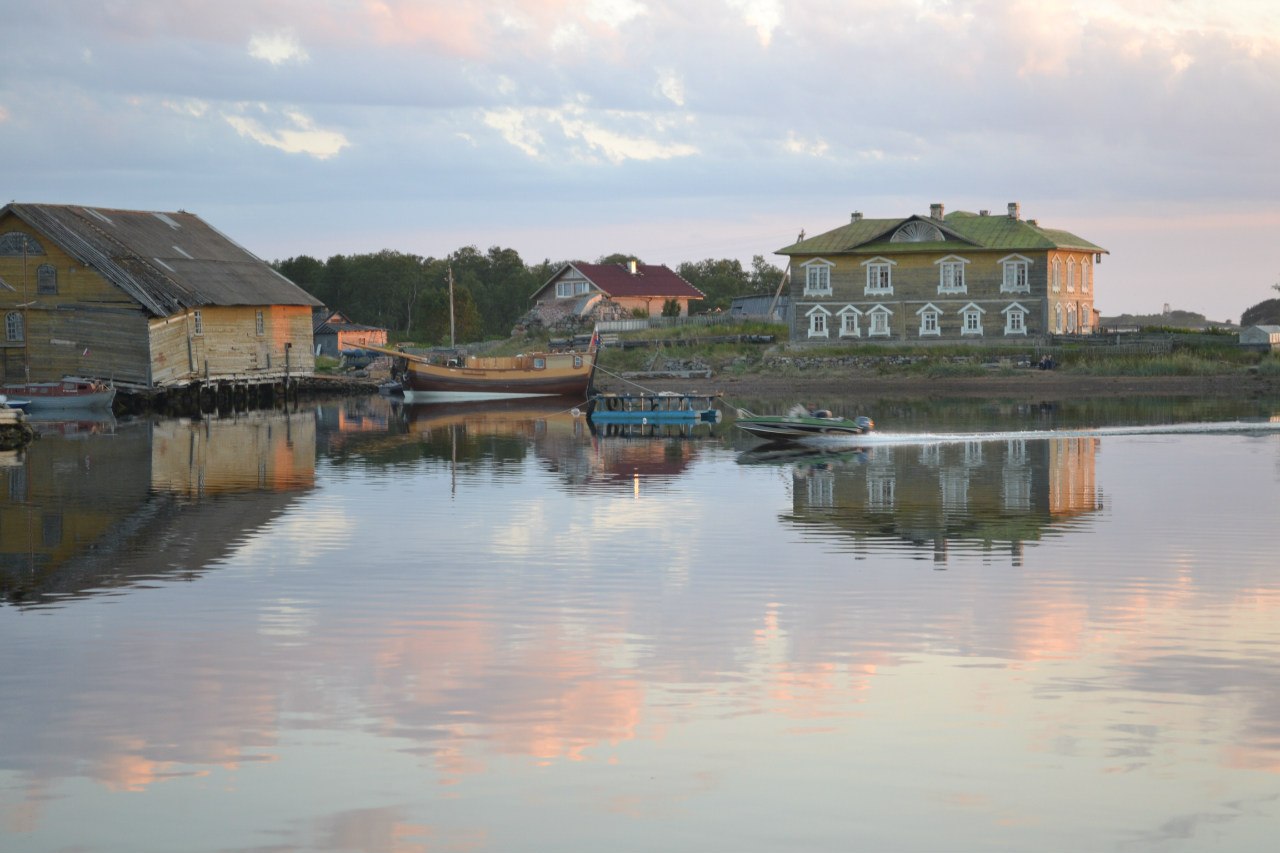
(951, 274)
(917, 231)
(817, 277)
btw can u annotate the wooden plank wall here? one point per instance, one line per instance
(229, 347)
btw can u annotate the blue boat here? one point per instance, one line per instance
(666, 407)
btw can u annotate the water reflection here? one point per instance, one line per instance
(96, 505)
(500, 632)
(934, 497)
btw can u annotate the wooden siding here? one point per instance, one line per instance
(915, 284)
(87, 327)
(228, 346)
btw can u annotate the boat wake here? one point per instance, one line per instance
(881, 439)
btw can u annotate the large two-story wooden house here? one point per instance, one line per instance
(146, 300)
(943, 277)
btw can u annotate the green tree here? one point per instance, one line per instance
(720, 280)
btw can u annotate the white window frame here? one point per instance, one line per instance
(1016, 277)
(952, 267)
(570, 287)
(879, 276)
(817, 277)
(1057, 318)
(15, 330)
(930, 320)
(971, 319)
(1071, 319)
(259, 324)
(1014, 326)
(849, 326)
(1086, 275)
(1071, 275)
(880, 326)
(1055, 278)
(818, 325)
(198, 320)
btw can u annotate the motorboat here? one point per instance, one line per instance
(803, 423)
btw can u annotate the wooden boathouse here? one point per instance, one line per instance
(157, 303)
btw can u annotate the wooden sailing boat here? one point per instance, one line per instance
(437, 378)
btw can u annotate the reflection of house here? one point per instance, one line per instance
(85, 514)
(334, 333)
(958, 276)
(148, 300)
(982, 494)
(612, 291)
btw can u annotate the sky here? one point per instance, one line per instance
(672, 130)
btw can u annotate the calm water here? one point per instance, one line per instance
(992, 627)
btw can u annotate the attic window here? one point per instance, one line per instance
(917, 232)
(46, 280)
(16, 244)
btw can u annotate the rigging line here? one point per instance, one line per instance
(624, 379)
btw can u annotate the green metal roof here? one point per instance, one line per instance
(871, 236)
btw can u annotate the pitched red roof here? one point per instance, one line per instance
(649, 280)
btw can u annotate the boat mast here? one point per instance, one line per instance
(452, 342)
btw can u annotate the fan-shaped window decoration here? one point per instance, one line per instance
(16, 244)
(46, 279)
(917, 232)
(13, 329)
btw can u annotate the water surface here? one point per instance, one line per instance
(487, 629)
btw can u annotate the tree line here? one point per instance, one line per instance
(409, 294)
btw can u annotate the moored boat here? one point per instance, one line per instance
(427, 379)
(666, 407)
(803, 423)
(70, 393)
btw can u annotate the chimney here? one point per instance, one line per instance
(856, 216)
(1014, 212)
(935, 211)
(631, 266)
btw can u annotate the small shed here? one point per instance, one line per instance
(760, 306)
(1261, 337)
(334, 334)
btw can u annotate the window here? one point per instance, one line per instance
(17, 244)
(1086, 276)
(1071, 275)
(46, 279)
(1015, 320)
(539, 363)
(571, 288)
(817, 277)
(1071, 319)
(1056, 279)
(1016, 274)
(1057, 319)
(929, 317)
(199, 322)
(818, 321)
(879, 276)
(879, 322)
(13, 328)
(849, 322)
(971, 320)
(259, 327)
(951, 275)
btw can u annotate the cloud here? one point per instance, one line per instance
(614, 13)
(764, 16)
(671, 86)
(277, 48)
(605, 133)
(295, 133)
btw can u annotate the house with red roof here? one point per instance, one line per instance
(592, 292)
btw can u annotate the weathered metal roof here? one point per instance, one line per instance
(960, 228)
(168, 262)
